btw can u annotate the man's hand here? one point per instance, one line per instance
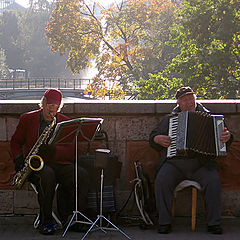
(46, 150)
(162, 140)
(225, 135)
(19, 162)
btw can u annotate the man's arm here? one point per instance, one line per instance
(159, 138)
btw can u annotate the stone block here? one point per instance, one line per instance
(109, 125)
(115, 107)
(68, 108)
(132, 128)
(3, 129)
(165, 106)
(238, 107)
(229, 168)
(6, 202)
(230, 203)
(233, 124)
(25, 202)
(18, 106)
(6, 166)
(220, 106)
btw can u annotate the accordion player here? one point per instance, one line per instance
(196, 132)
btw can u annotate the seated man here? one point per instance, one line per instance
(171, 171)
(58, 162)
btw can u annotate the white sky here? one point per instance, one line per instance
(24, 3)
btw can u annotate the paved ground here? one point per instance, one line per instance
(21, 227)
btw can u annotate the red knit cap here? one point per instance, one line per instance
(53, 96)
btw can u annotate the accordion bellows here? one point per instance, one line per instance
(196, 132)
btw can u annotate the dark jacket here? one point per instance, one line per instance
(162, 129)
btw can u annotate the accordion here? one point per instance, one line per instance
(196, 132)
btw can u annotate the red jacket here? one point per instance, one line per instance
(26, 135)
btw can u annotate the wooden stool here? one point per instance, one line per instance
(195, 186)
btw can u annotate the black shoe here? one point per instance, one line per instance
(79, 227)
(48, 229)
(215, 229)
(164, 229)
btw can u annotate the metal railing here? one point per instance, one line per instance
(44, 83)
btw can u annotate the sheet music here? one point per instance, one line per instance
(66, 131)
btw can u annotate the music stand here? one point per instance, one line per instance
(101, 162)
(68, 132)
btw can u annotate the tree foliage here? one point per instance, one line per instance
(209, 61)
(9, 38)
(37, 57)
(100, 90)
(122, 40)
(23, 39)
(208, 34)
(3, 66)
(157, 87)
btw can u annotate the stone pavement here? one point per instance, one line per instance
(21, 228)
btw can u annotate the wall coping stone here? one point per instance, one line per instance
(118, 107)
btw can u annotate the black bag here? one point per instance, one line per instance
(111, 172)
(108, 200)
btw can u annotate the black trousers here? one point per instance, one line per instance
(169, 176)
(64, 175)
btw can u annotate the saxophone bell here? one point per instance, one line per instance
(36, 163)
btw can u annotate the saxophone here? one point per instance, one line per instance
(33, 162)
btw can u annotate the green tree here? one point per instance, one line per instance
(122, 40)
(207, 32)
(23, 38)
(9, 33)
(157, 87)
(3, 66)
(41, 5)
(37, 58)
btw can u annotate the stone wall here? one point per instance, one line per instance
(128, 124)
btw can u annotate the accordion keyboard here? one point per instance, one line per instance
(172, 133)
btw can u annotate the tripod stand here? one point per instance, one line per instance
(67, 132)
(100, 217)
(74, 218)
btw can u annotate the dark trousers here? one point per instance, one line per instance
(46, 181)
(169, 176)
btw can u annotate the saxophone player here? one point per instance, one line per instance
(58, 162)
